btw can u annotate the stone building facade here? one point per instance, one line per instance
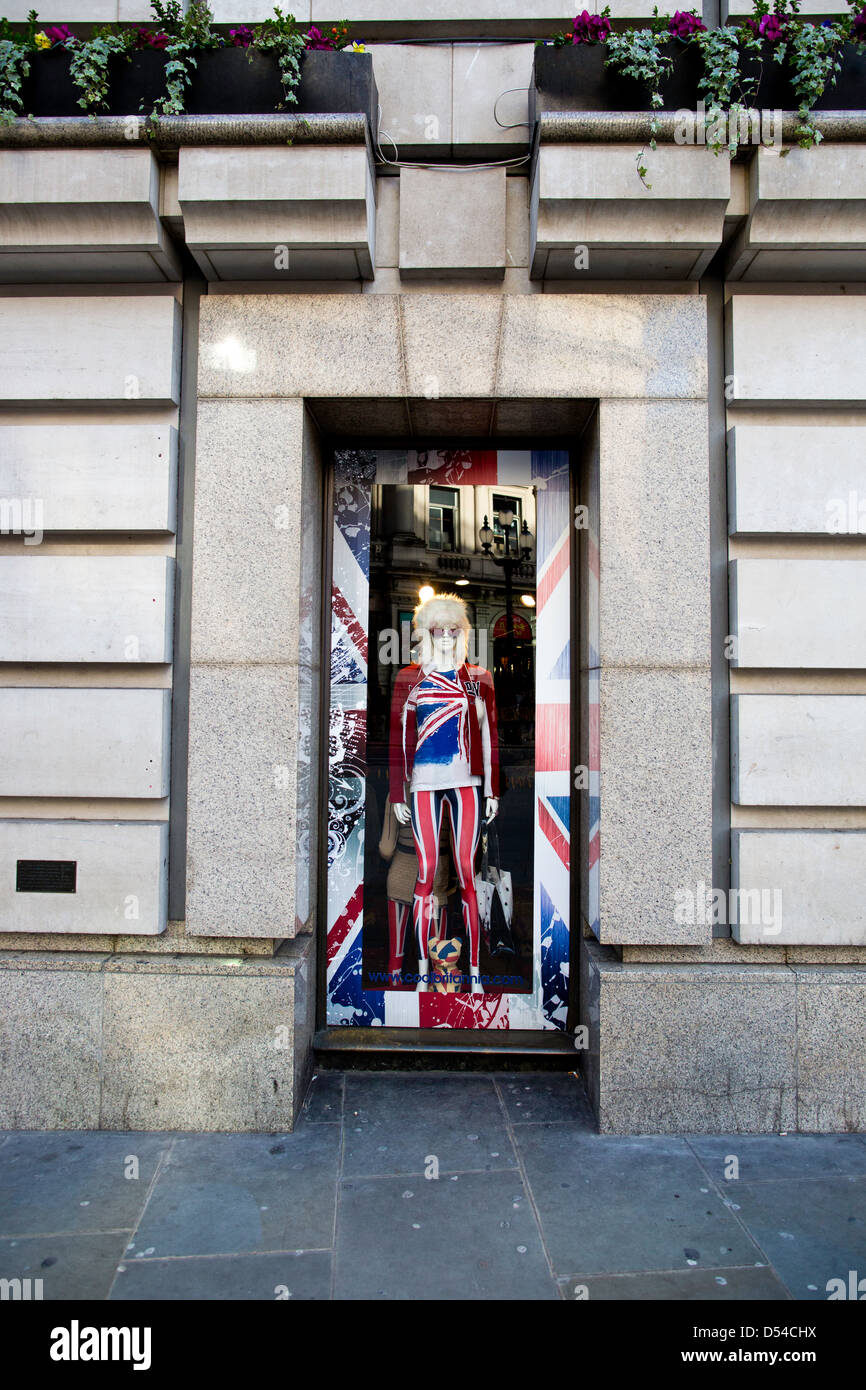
(191, 324)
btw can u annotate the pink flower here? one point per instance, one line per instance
(314, 38)
(684, 24)
(771, 27)
(147, 38)
(242, 37)
(858, 30)
(58, 34)
(590, 28)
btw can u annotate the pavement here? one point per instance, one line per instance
(433, 1185)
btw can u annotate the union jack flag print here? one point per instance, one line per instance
(440, 706)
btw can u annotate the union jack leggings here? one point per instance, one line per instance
(464, 810)
(398, 917)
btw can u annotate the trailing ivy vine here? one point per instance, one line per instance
(720, 85)
(15, 54)
(280, 36)
(815, 61)
(187, 34)
(89, 67)
(640, 53)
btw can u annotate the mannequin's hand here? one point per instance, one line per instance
(491, 806)
(402, 812)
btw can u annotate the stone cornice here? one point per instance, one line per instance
(171, 132)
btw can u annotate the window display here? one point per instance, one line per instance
(450, 740)
(444, 759)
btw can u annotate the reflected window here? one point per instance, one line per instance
(442, 518)
(502, 503)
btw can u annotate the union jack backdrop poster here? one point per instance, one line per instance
(543, 1005)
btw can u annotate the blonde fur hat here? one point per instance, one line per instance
(443, 610)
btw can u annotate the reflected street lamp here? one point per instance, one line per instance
(508, 559)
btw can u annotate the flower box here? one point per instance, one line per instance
(137, 84)
(224, 82)
(847, 93)
(48, 90)
(227, 83)
(574, 78)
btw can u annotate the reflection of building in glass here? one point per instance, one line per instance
(437, 533)
(430, 534)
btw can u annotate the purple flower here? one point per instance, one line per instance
(242, 37)
(590, 28)
(147, 38)
(58, 33)
(684, 24)
(771, 27)
(858, 30)
(314, 38)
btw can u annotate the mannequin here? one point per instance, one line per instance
(444, 760)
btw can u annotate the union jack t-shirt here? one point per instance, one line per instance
(440, 706)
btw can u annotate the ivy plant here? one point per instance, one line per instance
(89, 65)
(187, 34)
(280, 36)
(814, 59)
(642, 54)
(719, 85)
(15, 55)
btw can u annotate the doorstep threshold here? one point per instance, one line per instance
(463, 1042)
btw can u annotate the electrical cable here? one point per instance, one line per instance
(397, 163)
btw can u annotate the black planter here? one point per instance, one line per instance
(848, 93)
(775, 90)
(575, 78)
(134, 84)
(766, 84)
(137, 84)
(340, 81)
(225, 82)
(49, 89)
(233, 82)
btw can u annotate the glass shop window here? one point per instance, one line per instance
(449, 741)
(442, 518)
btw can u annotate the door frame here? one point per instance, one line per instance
(337, 1039)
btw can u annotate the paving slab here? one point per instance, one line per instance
(468, 1236)
(678, 1286)
(778, 1158)
(84, 1181)
(323, 1103)
(299, 1276)
(812, 1229)
(394, 1122)
(543, 1096)
(610, 1204)
(80, 1266)
(225, 1194)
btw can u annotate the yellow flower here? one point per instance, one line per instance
(357, 48)
(41, 40)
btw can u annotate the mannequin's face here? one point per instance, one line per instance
(444, 641)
